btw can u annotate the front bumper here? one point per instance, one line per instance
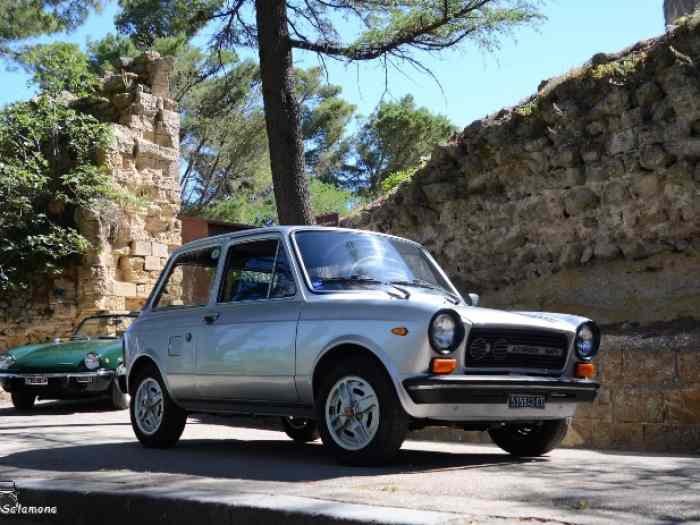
(485, 398)
(60, 385)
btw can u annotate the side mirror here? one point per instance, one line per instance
(474, 299)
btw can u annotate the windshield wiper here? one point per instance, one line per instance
(367, 280)
(421, 283)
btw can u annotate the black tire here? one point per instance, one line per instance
(393, 420)
(120, 400)
(173, 419)
(530, 439)
(301, 430)
(23, 401)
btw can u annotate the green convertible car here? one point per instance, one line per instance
(86, 365)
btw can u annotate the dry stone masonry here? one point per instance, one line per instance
(131, 238)
(584, 198)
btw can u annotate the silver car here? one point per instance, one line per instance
(350, 336)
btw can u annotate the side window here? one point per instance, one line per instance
(283, 280)
(253, 272)
(189, 280)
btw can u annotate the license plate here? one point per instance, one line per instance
(36, 380)
(526, 401)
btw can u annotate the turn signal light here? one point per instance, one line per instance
(400, 330)
(443, 366)
(585, 370)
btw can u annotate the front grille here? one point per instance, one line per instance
(516, 348)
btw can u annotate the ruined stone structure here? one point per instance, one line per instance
(675, 9)
(131, 239)
(584, 198)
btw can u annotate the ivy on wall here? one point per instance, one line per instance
(49, 169)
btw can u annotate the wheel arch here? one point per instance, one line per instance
(342, 351)
(141, 362)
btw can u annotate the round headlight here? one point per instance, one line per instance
(92, 361)
(587, 341)
(446, 331)
(6, 361)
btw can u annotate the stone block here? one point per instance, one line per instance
(153, 264)
(159, 249)
(649, 367)
(134, 304)
(122, 289)
(638, 405)
(627, 436)
(141, 248)
(689, 366)
(683, 406)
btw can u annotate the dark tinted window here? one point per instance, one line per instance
(256, 270)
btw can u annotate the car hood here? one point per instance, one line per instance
(58, 357)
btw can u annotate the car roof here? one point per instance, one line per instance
(283, 230)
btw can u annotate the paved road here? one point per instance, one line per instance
(78, 443)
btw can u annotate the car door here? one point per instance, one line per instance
(175, 321)
(250, 338)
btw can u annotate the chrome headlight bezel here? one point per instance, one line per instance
(7, 361)
(442, 347)
(587, 341)
(92, 361)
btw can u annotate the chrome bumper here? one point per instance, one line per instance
(61, 375)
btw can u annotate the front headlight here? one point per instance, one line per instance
(446, 331)
(587, 341)
(6, 361)
(92, 361)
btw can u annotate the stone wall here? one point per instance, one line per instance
(584, 198)
(131, 238)
(675, 9)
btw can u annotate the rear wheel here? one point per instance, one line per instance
(157, 421)
(361, 419)
(301, 430)
(23, 400)
(530, 439)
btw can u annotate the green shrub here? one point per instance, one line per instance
(48, 171)
(397, 178)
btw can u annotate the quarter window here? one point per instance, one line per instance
(189, 280)
(257, 270)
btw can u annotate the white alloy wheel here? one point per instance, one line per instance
(149, 406)
(352, 413)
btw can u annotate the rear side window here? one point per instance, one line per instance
(189, 280)
(256, 271)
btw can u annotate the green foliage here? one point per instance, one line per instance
(397, 137)
(48, 170)
(619, 70)
(261, 210)
(394, 180)
(23, 19)
(59, 66)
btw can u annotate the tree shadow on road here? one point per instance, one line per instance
(56, 407)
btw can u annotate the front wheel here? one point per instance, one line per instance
(120, 400)
(300, 429)
(157, 421)
(23, 400)
(361, 419)
(530, 439)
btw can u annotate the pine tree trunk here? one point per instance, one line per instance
(282, 114)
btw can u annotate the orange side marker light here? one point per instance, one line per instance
(443, 366)
(585, 370)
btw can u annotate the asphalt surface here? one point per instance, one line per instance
(67, 445)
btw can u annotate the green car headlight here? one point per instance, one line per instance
(6, 361)
(92, 361)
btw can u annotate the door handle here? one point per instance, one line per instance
(211, 317)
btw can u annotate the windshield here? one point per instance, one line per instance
(337, 260)
(103, 327)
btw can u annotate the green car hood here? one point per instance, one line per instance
(64, 357)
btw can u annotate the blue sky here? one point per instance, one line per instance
(474, 83)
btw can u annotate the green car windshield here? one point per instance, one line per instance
(103, 327)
